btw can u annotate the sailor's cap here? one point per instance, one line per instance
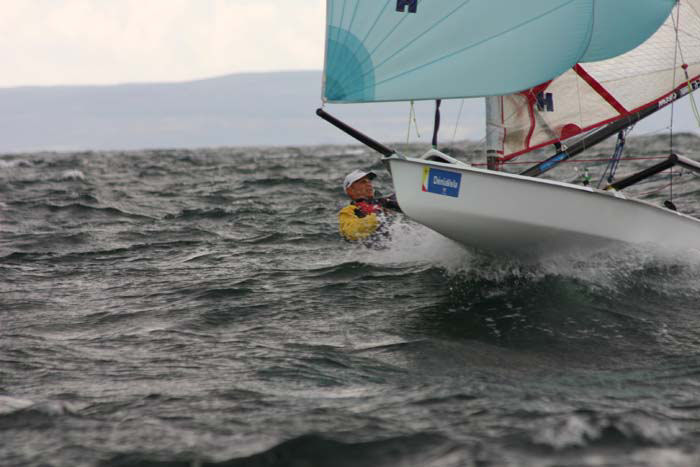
(354, 176)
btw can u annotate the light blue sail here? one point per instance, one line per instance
(622, 25)
(389, 50)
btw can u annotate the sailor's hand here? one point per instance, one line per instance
(389, 202)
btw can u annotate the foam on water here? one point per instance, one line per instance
(605, 268)
(580, 430)
(12, 404)
(72, 175)
(12, 163)
(410, 243)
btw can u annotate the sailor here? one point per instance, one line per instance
(366, 216)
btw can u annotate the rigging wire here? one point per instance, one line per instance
(615, 163)
(656, 190)
(693, 105)
(676, 23)
(459, 115)
(615, 159)
(412, 117)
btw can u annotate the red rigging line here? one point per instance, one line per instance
(600, 89)
(477, 164)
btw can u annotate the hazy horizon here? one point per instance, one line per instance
(236, 110)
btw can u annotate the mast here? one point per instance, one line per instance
(494, 130)
(436, 126)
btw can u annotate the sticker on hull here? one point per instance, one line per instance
(441, 182)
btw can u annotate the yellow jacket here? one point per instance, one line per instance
(353, 227)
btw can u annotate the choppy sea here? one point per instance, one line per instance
(198, 307)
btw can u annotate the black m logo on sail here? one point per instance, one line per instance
(411, 4)
(545, 102)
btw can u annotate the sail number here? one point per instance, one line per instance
(668, 99)
(411, 4)
(545, 102)
(692, 86)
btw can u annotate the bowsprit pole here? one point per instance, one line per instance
(361, 137)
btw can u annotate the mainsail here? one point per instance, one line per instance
(590, 95)
(389, 50)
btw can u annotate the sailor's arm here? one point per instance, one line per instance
(390, 203)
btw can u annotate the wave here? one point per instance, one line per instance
(420, 450)
(612, 268)
(589, 305)
(352, 270)
(223, 293)
(11, 404)
(305, 183)
(25, 412)
(116, 253)
(407, 244)
(72, 174)
(192, 214)
(9, 164)
(590, 428)
(220, 213)
(82, 208)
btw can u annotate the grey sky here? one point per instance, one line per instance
(49, 42)
(63, 42)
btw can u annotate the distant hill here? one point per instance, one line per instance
(235, 110)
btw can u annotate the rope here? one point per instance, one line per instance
(459, 115)
(615, 159)
(677, 50)
(412, 117)
(657, 190)
(615, 163)
(647, 193)
(676, 22)
(693, 105)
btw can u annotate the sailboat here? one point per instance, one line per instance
(561, 73)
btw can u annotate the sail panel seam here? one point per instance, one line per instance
(349, 72)
(369, 31)
(348, 33)
(337, 35)
(433, 26)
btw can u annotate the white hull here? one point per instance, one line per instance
(499, 211)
